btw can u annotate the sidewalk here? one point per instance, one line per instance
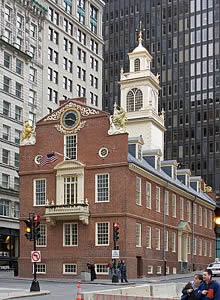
(6, 293)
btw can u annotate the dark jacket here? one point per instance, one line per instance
(213, 289)
(193, 294)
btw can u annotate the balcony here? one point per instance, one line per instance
(67, 212)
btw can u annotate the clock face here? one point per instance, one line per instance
(70, 119)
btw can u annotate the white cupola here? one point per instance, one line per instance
(139, 98)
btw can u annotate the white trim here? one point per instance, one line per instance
(148, 184)
(64, 150)
(34, 191)
(139, 200)
(157, 200)
(43, 246)
(96, 234)
(39, 264)
(69, 273)
(101, 273)
(158, 270)
(96, 187)
(70, 223)
(150, 269)
(150, 237)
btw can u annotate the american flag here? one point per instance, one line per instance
(47, 159)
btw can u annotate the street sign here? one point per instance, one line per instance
(35, 256)
(115, 253)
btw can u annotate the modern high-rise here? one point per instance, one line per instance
(50, 50)
(183, 38)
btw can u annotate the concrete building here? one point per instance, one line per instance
(49, 50)
(102, 172)
(183, 39)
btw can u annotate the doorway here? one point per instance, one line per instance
(139, 266)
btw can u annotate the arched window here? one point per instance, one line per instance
(134, 100)
(137, 65)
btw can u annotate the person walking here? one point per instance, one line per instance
(91, 267)
(123, 271)
(190, 290)
(209, 289)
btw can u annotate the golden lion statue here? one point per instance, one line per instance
(119, 118)
(27, 132)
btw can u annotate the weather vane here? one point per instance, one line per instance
(140, 33)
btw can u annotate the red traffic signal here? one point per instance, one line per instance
(36, 218)
(115, 231)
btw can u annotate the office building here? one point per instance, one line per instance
(183, 39)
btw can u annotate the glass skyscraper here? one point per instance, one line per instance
(183, 38)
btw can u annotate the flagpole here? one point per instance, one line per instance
(62, 155)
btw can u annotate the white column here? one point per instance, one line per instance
(179, 246)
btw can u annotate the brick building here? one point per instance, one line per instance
(102, 173)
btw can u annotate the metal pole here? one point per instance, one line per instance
(35, 286)
(115, 275)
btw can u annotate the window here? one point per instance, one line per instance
(148, 195)
(93, 99)
(19, 66)
(6, 109)
(42, 241)
(93, 18)
(138, 235)
(93, 63)
(188, 211)
(174, 205)
(7, 84)
(17, 136)
(81, 11)
(134, 100)
(8, 13)
(5, 181)
(94, 46)
(157, 199)
(81, 36)
(150, 269)
(173, 241)
(53, 16)
(205, 217)
(33, 31)
(4, 208)
(210, 220)
(81, 55)
(70, 190)
(53, 36)
(70, 146)
(102, 234)
(67, 6)
(16, 185)
(7, 60)
(18, 90)
(194, 213)
(5, 156)
(166, 203)
(70, 234)
(210, 249)
(16, 160)
(181, 208)
(101, 269)
(200, 247)
(148, 237)
(157, 240)
(138, 190)
(39, 191)
(32, 118)
(200, 216)
(32, 97)
(18, 113)
(7, 35)
(194, 246)
(19, 21)
(166, 240)
(102, 188)
(137, 65)
(70, 269)
(40, 268)
(159, 269)
(33, 75)
(6, 132)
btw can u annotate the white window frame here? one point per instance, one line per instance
(42, 241)
(157, 196)
(34, 191)
(71, 234)
(194, 213)
(210, 219)
(148, 195)
(174, 205)
(150, 269)
(167, 270)
(210, 249)
(101, 269)
(157, 239)
(205, 217)
(138, 191)
(200, 215)
(188, 211)
(173, 241)
(39, 265)
(188, 244)
(74, 147)
(138, 234)
(148, 237)
(205, 247)
(194, 246)
(181, 208)
(106, 234)
(166, 240)
(159, 270)
(200, 247)
(71, 265)
(97, 197)
(166, 203)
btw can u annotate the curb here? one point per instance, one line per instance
(27, 294)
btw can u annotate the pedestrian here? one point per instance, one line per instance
(209, 289)
(110, 270)
(123, 271)
(189, 292)
(91, 267)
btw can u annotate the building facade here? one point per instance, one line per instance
(183, 39)
(49, 50)
(103, 172)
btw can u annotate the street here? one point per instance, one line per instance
(67, 290)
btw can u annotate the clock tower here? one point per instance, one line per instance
(139, 98)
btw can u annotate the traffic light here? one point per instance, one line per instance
(29, 229)
(36, 226)
(115, 232)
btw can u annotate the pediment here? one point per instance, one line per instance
(69, 165)
(184, 226)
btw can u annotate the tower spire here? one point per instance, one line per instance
(140, 34)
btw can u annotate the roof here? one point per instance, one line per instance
(160, 173)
